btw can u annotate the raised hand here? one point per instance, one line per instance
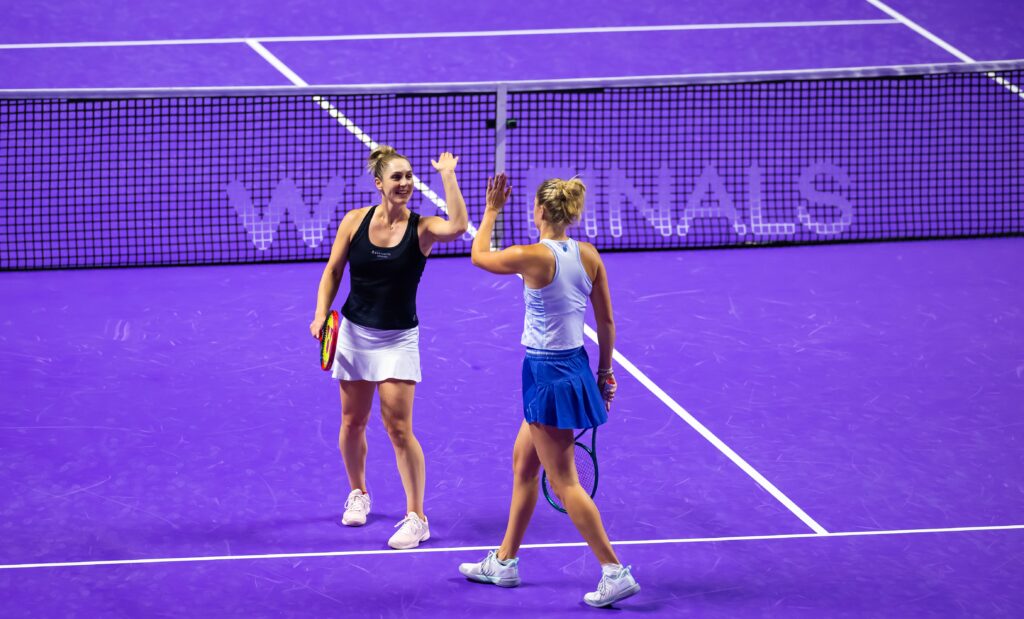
(445, 163)
(498, 191)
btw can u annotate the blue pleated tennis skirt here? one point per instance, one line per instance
(559, 389)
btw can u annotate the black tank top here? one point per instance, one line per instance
(384, 279)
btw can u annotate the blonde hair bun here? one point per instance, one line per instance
(562, 200)
(379, 159)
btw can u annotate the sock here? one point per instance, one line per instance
(611, 569)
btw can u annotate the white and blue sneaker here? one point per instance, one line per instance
(493, 570)
(616, 584)
(357, 507)
(411, 531)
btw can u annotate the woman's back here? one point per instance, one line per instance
(555, 313)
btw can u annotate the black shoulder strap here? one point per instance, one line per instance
(414, 225)
(364, 225)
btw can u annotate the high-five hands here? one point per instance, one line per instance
(445, 163)
(498, 191)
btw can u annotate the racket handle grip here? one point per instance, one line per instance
(609, 387)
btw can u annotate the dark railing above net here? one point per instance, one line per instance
(91, 179)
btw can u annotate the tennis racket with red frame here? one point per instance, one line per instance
(329, 340)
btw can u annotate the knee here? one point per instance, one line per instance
(524, 469)
(560, 485)
(353, 425)
(399, 433)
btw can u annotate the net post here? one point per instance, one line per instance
(500, 132)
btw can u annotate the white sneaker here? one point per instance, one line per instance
(492, 571)
(411, 531)
(357, 507)
(616, 584)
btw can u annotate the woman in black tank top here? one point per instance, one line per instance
(384, 280)
(386, 248)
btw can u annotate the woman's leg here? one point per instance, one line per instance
(525, 470)
(555, 449)
(356, 400)
(396, 398)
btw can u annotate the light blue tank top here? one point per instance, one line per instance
(555, 313)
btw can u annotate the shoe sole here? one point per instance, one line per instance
(508, 583)
(626, 593)
(425, 538)
(352, 523)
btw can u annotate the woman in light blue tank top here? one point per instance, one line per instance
(560, 394)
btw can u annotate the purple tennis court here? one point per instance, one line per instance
(810, 214)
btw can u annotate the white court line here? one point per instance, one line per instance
(462, 34)
(1007, 84)
(345, 122)
(421, 550)
(921, 30)
(276, 62)
(710, 436)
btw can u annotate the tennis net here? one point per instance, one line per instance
(126, 178)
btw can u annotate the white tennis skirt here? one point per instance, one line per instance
(376, 355)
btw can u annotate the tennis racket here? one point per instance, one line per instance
(586, 469)
(329, 340)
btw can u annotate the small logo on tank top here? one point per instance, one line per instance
(377, 253)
